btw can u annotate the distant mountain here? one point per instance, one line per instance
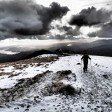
(102, 50)
(99, 47)
(15, 57)
(22, 55)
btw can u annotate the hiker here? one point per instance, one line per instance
(85, 58)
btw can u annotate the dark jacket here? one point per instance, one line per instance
(85, 58)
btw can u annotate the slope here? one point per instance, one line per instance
(50, 83)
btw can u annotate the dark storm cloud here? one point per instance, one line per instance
(68, 30)
(71, 31)
(28, 18)
(90, 16)
(105, 31)
(60, 32)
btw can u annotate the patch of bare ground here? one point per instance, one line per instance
(58, 87)
(64, 89)
(38, 60)
(63, 74)
(20, 89)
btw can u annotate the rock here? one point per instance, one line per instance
(28, 106)
(105, 76)
(78, 63)
(42, 110)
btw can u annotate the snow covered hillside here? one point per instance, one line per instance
(51, 83)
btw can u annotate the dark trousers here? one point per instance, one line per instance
(85, 66)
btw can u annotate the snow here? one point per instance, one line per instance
(91, 82)
(29, 72)
(6, 82)
(8, 69)
(47, 55)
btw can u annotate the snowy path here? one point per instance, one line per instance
(98, 88)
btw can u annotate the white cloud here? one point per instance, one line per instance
(77, 5)
(86, 30)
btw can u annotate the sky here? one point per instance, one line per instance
(54, 19)
(76, 6)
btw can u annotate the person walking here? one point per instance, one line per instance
(85, 58)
